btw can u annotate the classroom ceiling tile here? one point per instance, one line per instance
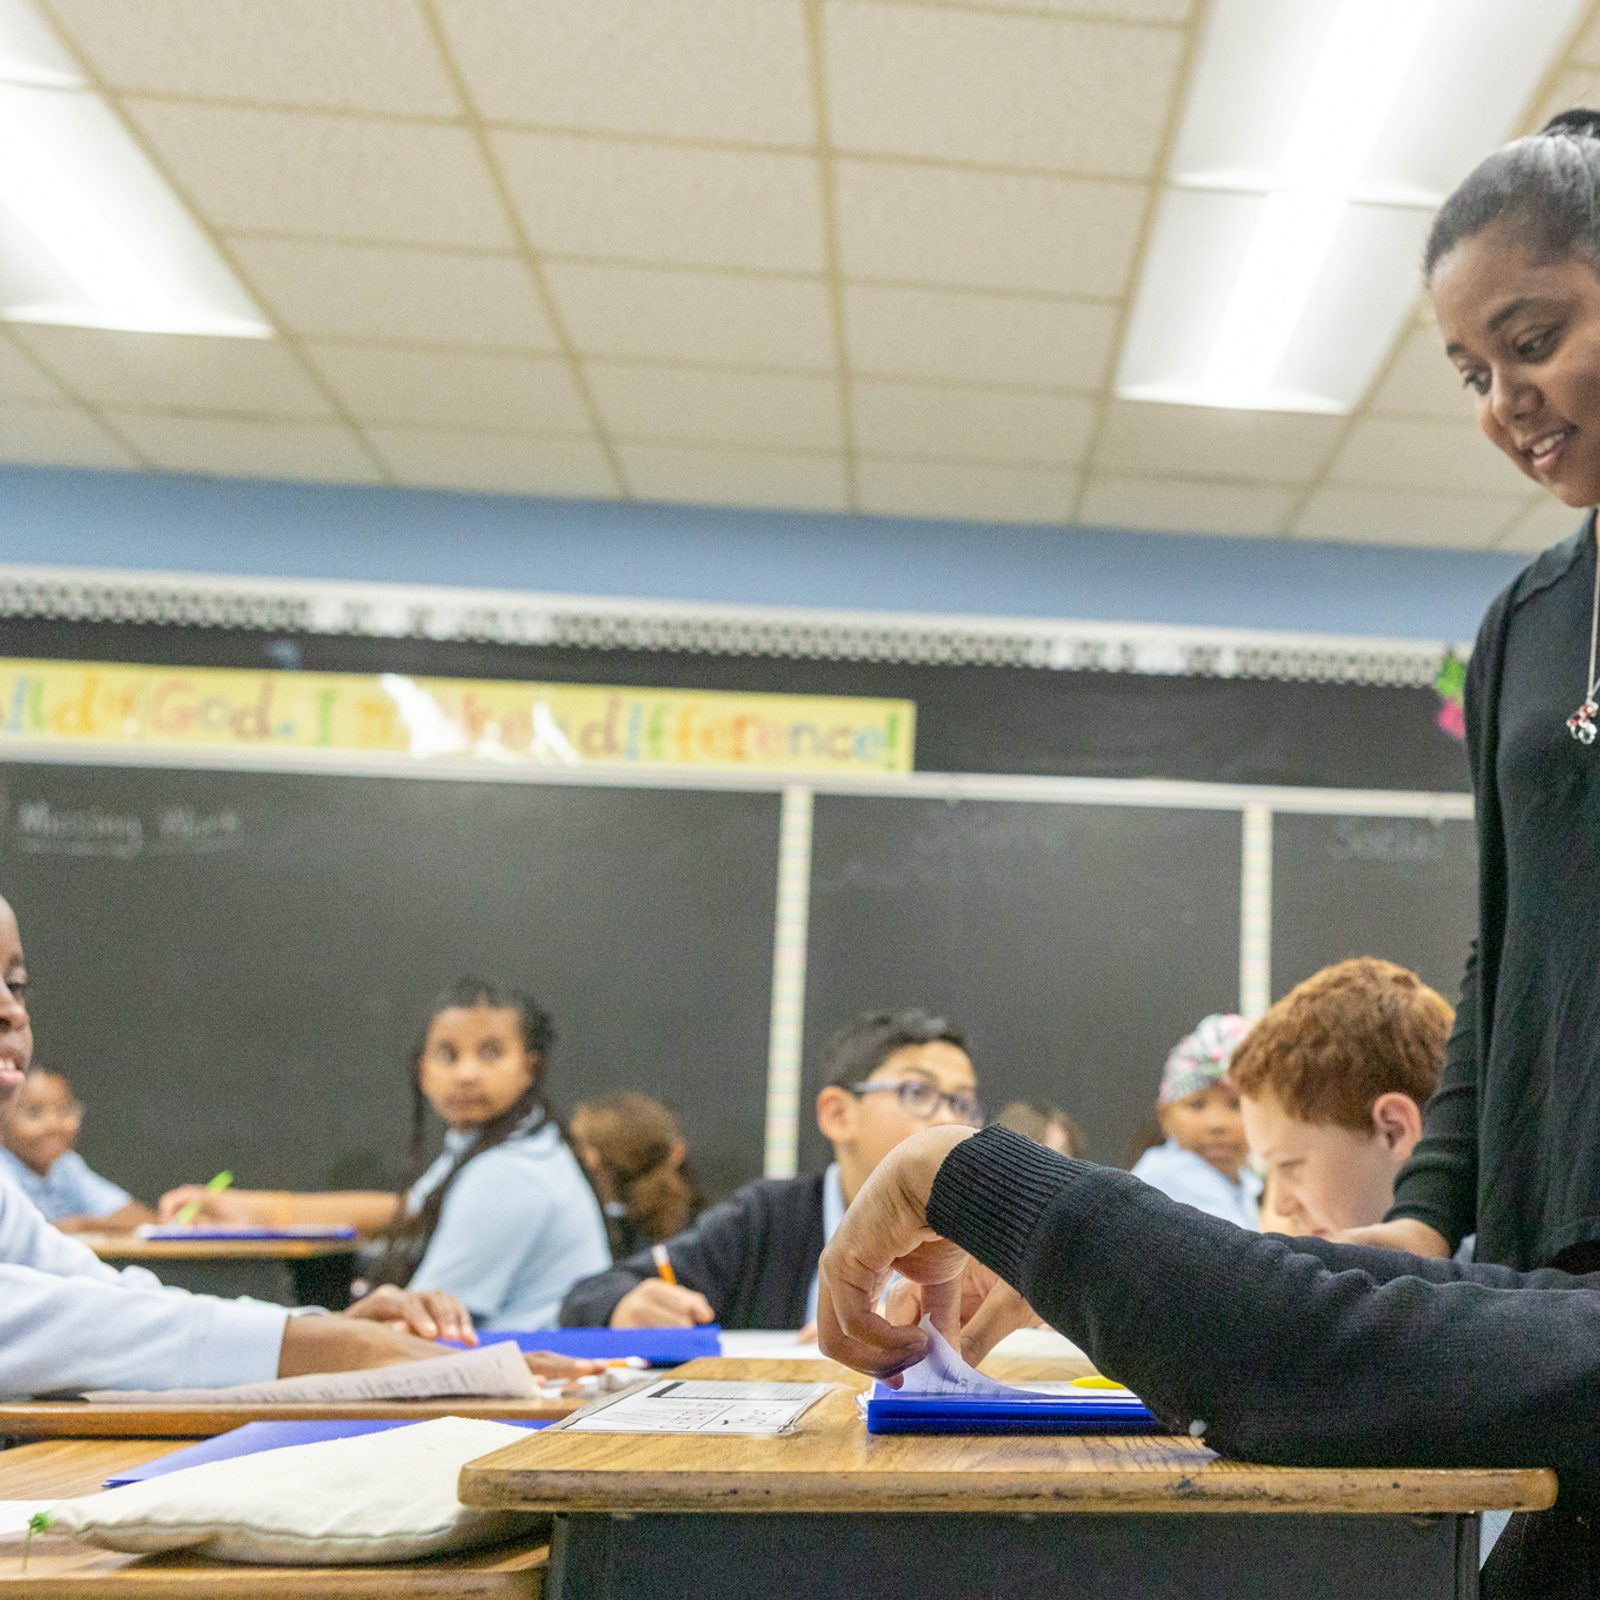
(338, 177)
(921, 224)
(1142, 438)
(1404, 453)
(372, 55)
(692, 474)
(905, 419)
(675, 315)
(964, 492)
(698, 69)
(1386, 516)
(22, 379)
(686, 406)
(496, 463)
(1579, 86)
(640, 202)
(260, 447)
(1544, 522)
(1116, 10)
(509, 393)
(57, 436)
(184, 371)
(978, 338)
(1179, 505)
(1422, 383)
(1586, 47)
(410, 296)
(958, 85)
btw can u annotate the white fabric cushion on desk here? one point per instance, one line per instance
(377, 1497)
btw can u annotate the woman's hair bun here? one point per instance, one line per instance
(1579, 123)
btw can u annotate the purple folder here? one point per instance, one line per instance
(254, 1437)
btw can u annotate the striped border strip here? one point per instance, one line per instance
(1255, 912)
(786, 1047)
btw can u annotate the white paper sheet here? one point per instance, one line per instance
(681, 1405)
(16, 1514)
(496, 1371)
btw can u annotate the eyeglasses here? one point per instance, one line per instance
(922, 1099)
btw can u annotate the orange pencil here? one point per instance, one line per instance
(663, 1263)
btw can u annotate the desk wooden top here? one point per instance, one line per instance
(130, 1247)
(832, 1464)
(77, 1419)
(61, 1569)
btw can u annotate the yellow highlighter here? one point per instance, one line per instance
(186, 1214)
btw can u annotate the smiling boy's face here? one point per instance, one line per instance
(16, 1033)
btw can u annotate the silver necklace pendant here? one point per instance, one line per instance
(1581, 724)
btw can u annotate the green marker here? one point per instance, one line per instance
(186, 1214)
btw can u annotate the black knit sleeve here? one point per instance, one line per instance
(1286, 1356)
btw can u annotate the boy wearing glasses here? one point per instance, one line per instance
(751, 1262)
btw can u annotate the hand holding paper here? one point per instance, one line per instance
(885, 1230)
(990, 1309)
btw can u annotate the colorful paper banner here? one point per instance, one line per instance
(545, 723)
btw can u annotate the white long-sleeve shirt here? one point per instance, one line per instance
(68, 1322)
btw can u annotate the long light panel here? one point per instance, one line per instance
(1318, 137)
(90, 233)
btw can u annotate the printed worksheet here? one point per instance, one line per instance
(680, 1405)
(496, 1371)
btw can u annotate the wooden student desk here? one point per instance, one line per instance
(78, 1419)
(286, 1271)
(834, 1511)
(59, 1568)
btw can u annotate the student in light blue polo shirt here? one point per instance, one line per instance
(38, 1131)
(68, 1322)
(504, 1217)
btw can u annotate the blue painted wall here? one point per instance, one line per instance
(287, 530)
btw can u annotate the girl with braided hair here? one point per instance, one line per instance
(504, 1217)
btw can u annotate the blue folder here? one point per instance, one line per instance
(657, 1347)
(255, 1437)
(890, 1411)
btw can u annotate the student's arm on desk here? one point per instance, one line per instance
(368, 1211)
(63, 1333)
(1289, 1352)
(123, 1220)
(705, 1257)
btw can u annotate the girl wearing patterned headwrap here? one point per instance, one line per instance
(1202, 1159)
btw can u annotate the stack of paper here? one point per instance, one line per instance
(942, 1394)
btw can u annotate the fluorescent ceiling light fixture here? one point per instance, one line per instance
(1318, 137)
(90, 233)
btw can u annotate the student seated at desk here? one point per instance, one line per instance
(504, 1218)
(1332, 1082)
(639, 1165)
(38, 1132)
(751, 1262)
(68, 1322)
(1046, 1125)
(1202, 1161)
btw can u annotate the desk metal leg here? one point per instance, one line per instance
(1173, 1557)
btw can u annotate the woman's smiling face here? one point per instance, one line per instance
(1524, 332)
